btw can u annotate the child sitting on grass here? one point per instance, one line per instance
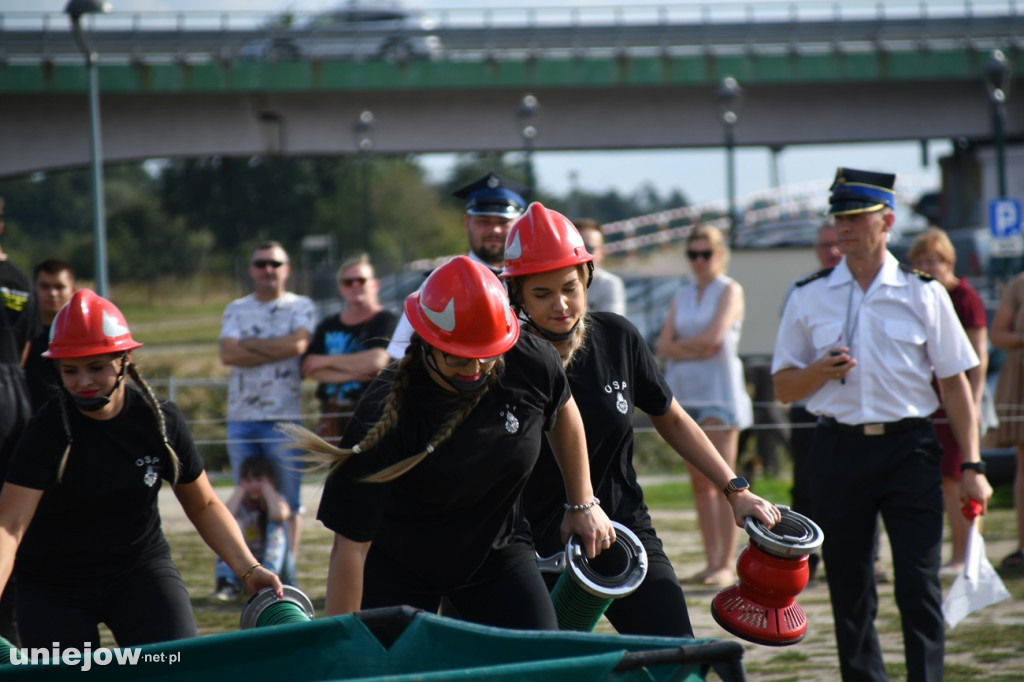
(262, 513)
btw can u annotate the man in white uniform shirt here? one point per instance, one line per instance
(262, 338)
(861, 342)
(492, 205)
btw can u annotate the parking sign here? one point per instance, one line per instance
(1004, 219)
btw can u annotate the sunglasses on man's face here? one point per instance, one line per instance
(261, 264)
(694, 255)
(352, 281)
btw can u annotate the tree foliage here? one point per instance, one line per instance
(187, 217)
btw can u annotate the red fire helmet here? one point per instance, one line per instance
(542, 240)
(87, 325)
(462, 309)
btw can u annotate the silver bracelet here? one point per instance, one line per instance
(585, 508)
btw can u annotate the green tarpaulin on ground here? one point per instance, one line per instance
(422, 647)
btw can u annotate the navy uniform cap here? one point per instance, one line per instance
(859, 191)
(494, 195)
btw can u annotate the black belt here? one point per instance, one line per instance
(879, 429)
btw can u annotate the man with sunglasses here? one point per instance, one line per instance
(348, 348)
(263, 336)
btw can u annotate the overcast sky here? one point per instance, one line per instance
(699, 174)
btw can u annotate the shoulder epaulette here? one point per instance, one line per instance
(818, 275)
(923, 276)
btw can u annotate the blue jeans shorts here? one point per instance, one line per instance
(703, 413)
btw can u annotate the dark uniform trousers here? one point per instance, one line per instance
(855, 477)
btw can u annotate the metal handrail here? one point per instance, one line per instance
(697, 28)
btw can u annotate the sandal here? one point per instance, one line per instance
(1014, 560)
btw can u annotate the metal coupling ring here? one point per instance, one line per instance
(615, 572)
(266, 597)
(793, 536)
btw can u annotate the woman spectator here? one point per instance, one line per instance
(86, 475)
(423, 494)
(933, 253)
(348, 349)
(700, 340)
(611, 372)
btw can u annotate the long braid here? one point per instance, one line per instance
(442, 434)
(323, 455)
(154, 406)
(579, 335)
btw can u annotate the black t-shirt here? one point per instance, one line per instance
(41, 373)
(612, 373)
(334, 337)
(19, 321)
(433, 527)
(102, 519)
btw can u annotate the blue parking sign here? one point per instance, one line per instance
(1004, 217)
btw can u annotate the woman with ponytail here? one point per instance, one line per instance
(423, 492)
(611, 372)
(79, 521)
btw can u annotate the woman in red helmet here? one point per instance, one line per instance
(423, 491)
(79, 507)
(611, 371)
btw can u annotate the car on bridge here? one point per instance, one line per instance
(352, 31)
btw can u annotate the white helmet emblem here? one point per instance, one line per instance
(514, 249)
(575, 239)
(444, 319)
(111, 327)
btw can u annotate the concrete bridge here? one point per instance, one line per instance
(611, 78)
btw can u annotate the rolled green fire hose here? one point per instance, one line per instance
(587, 587)
(265, 609)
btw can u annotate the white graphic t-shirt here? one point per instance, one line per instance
(271, 391)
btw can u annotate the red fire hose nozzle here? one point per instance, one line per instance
(971, 509)
(762, 608)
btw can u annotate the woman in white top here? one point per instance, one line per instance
(700, 339)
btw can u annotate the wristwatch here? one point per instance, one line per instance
(736, 484)
(974, 466)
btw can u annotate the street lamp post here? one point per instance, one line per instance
(529, 110)
(362, 132)
(75, 9)
(997, 81)
(729, 97)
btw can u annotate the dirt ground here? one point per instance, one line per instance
(987, 646)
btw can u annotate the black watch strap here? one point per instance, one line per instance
(974, 466)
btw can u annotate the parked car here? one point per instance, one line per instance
(353, 31)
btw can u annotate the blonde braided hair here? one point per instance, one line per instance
(323, 455)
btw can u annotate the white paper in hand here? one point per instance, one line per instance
(977, 586)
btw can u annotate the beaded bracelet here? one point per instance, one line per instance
(585, 508)
(249, 572)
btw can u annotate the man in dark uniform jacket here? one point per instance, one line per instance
(18, 324)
